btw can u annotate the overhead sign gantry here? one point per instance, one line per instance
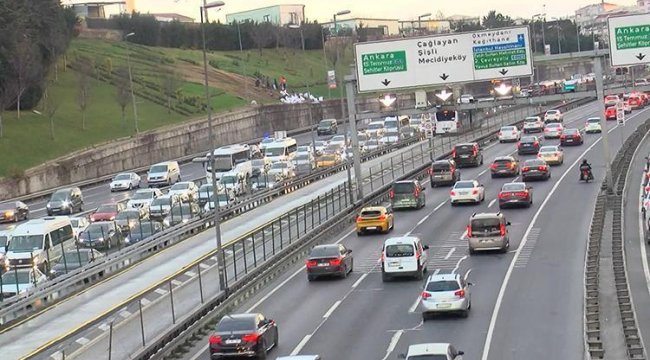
(443, 59)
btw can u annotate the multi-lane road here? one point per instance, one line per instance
(527, 304)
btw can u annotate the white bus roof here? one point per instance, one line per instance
(231, 149)
(41, 226)
(281, 143)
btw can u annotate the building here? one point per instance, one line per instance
(586, 16)
(169, 17)
(387, 26)
(426, 25)
(94, 9)
(278, 15)
(643, 5)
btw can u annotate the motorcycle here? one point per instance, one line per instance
(586, 175)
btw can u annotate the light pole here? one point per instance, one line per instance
(557, 27)
(302, 35)
(578, 35)
(221, 259)
(420, 20)
(241, 51)
(128, 61)
(532, 31)
(339, 79)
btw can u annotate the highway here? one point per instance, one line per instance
(527, 304)
(636, 248)
(77, 310)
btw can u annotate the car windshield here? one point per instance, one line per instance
(554, 125)
(144, 228)
(158, 169)
(485, 227)
(258, 163)
(279, 165)
(530, 119)
(59, 196)
(375, 126)
(123, 177)
(181, 210)
(548, 149)
(145, 195)
(464, 185)
(302, 157)
(324, 251)
(16, 277)
(513, 187)
(74, 222)
(534, 162)
(338, 138)
(443, 285)
(23, 243)
(180, 186)
(106, 209)
(399, 250)
(508, 128)
(391, 132)
(372, 142)
(415, 122)
(205, 189)
(161, 201)
(97, 229)
(329, 157)
(229, 179)
(404, 188)
(128, 214)
(528, 139)
(3, 240)
(390, 124)
(220, 198)
(278, 151)
(232, 324)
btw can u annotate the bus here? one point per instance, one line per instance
(446, 121)
(283, 149)
(230, 159)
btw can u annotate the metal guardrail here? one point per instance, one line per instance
(610, 207)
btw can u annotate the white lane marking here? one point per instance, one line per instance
(393, 343)
(275, 289)
(464, 236)
(515, 179)
(356, 283)
(492, 203)
(103, 327)
(415, 305)
(331, 309)
(160, 291)
(426, 217)
(482, 172)
(524, 240)
(82, 341)
(300, 345)
(458, 264)
(451, 251)
(125, 313)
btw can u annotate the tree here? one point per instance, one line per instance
(26, 67)
(170, 82)
(84, 82)
(51, 106)
(122, 94)
(263, 35)
(465, 25)
(7, 97)
(495, 20)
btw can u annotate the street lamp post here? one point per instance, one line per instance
(302, 35)
(128, 61)
(420, 20)
(241, 51)
(221, 259)
(557, 27)
(343, 117)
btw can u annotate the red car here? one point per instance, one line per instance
(636, 102)
(610, 113)
(107, 212)
(571, 137)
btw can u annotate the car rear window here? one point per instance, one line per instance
(528, 139)
(440, 166)
(534, 162)
(228, 324)
(400, 250)
(464, 149)
(464, 185)
(513, 187)
(403, 188)
(446, 285)
(323, 251)
(554, 125)
(370, 213)
(530, 120)
(502, 161)
(570, 131)
(508, 128)
(485, 226)
(593, 120)
(552, 112)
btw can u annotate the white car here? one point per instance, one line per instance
(143, 198)
(338, 140)
(79, 224)
(371, 145)
(186, 190)
(467, 191)
(533, 124)
(233, 183)
(125, 181)
(304, 149)
(593, 125)
(223, 199)
(446, 293)
(162, 205)
(437, 351)
(21, 280)
(509, 133)
(304, 159)
(391, 136)
(320, 146)
(553, 130)
(553, 115)
(282, 169)
(376, 129)
(465, 99)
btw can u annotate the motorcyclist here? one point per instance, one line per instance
(585, 166)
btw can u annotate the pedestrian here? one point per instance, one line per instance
(257, 82)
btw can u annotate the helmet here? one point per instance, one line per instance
(584, 161)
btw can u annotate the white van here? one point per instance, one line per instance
(42, 240)
(164, 174)
(403, 256)
(281, 149)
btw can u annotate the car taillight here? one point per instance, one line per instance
(557, 154)
(541, 168)
(417, 192)
(335, 262)
(452, 193)
(382, 217)
(425, 295)
(469, 231)
(453, 153)
(562, 137)
(391, 194)
(474, 152)
(474, 192)
(502, 195)
(359, 218)
(382, 257)
(502, 230)
(525, 168)
(215, 340)
(251, 338)
(518, 145)
(536, 143)
(493, 166)
(500, 133)
(521, 193)
(430, 171)
(576, 136)
(311, 263)
(512, 165)
(460, 293)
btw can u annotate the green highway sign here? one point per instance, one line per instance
(383, 62)
(499, 59)
(629, 38)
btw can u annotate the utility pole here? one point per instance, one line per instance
(600, 94)
(352, 112)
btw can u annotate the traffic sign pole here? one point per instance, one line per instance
(352, 113)
(600, 93)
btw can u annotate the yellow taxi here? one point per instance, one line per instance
(327, 160)
(375, 218)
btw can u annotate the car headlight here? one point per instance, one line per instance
(127, 240)
(65, 204)
(53, 271)
(101, 239)
(48, 205)
(185, 221)
(166, 222)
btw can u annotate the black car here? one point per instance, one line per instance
(330, 259)
(528, 145)
(467, 154)
(181, 213)
(72, 260)
(142, 231)
(327, 127)
(535, 169)
(101, 235)
(129, 218)
(13, 211)
(65, 201)
(243, 336)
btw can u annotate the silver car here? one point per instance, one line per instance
(446, 293)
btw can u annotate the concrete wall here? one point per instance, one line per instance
(172, 143)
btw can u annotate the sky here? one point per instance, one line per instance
(321, 10)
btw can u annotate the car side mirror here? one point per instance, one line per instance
(401, 356)
(508, 223)
(349, 251)
(460, 352)
(425, 247)
(470, 284)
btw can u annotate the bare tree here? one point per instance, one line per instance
(51, 106)
(25, 65)
(7, 97)
(122, 94)
(84, 71)
(170, 82)
(263, 34)
(335, 49)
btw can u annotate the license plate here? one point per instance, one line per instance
(463, 192)
(503, 171)
(233, 341)
(443, 306)
(371, 228)
(527, 145)
(393, 263)
(485, 241)
(323, 264)
(464, 156)
(569, 140)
